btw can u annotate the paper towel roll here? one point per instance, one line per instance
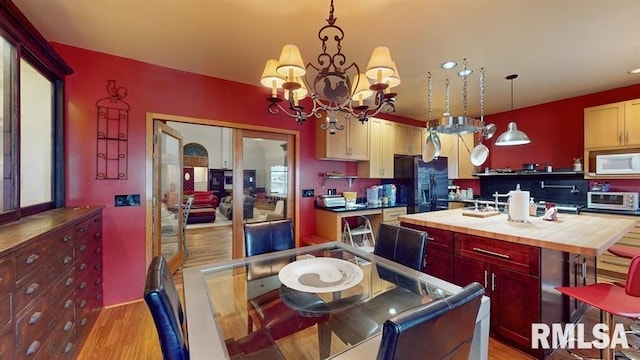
(519, 205)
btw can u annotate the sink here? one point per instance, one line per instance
(356, 206)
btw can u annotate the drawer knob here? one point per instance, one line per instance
(83, 322)
(35, 317)
(32, 259)
(32, 288)
(33, 348)
(83, 303)
(66, 238)
(68, 347)
(98, 250)
(67, 260)
(68, 303)
(67, 326)
(429, 238)
(83, 247)
(83, 285)
(82, 229)
(68, 282)
(98, 281)
(83, 266)
(96, 220)
(98, 235)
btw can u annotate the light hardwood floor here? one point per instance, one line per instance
(127, 331)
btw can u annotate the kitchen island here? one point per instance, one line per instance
(519, 264)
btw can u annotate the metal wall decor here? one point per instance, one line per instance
(112, 134)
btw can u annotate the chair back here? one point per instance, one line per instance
(265, 237)
(268, 236)
(632, 287)
(402, 245)
(442, 329)
(163, 301)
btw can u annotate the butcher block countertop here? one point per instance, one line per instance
(581, 234)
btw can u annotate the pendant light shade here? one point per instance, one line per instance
(512, 136)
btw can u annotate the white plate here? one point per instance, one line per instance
(479, 154)
(319, 275)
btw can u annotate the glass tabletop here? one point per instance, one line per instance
(308, 303)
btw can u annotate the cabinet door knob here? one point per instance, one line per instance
(493, 281)
(35, 317)
(32, 259)
(33, 348)
(32, 288)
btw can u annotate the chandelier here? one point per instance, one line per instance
(336, 88)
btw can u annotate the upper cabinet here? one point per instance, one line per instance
(408, 139)
(380, 164)
(610, 129)
(614, 125)
(350, 144)
(458, 156)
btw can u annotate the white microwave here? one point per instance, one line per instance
(618, 164)
(612, 200)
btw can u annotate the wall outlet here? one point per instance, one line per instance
(127, 200)
(307, 193)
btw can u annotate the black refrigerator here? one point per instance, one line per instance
(422, 186)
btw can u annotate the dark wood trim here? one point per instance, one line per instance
(34, 46)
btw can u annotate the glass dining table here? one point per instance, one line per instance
(326, 301)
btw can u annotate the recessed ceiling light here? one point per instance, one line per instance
(449, 65)
(635, 71)
(465, 72)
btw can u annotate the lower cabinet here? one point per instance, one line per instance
(519, 280)
(44, 315)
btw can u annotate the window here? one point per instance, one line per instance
(31, 103)
(278, 177)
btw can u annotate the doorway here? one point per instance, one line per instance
(234, 175)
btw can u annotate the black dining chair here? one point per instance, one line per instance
(442, 329)
(265, 237)
(266, 309)
(402, 245)
(163, 301)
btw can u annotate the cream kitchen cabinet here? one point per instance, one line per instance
(459, 158)
(614, 125)
(408, 139)
(350, 144)
(612, 267)
(380, 164)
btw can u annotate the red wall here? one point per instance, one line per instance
(161, 90)
(555, 130)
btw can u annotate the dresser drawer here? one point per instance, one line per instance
(32, 287)
(37, 254)
(43, 321)
(518, 257)
(5, 311)
(7, 274)
(7, 350)
(89, 237)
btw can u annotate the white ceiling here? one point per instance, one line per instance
(559, 48)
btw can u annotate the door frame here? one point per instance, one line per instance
(237, 143)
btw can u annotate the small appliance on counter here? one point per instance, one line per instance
(611, 200)
(331, 201)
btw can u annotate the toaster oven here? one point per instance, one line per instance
(612, 200)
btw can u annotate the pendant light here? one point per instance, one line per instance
(512, 136)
